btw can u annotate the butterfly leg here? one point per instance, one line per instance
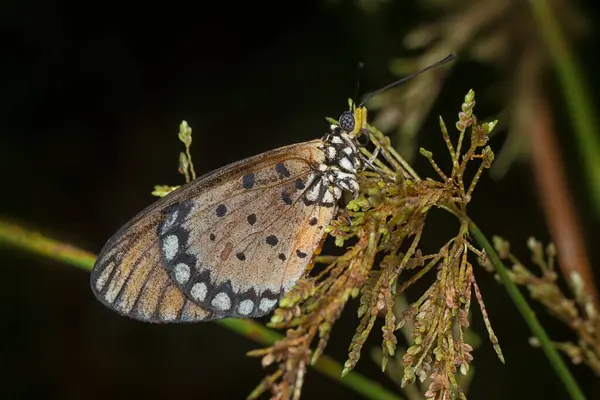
(371, 165)
(374, 155)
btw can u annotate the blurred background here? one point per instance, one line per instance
(92, 98)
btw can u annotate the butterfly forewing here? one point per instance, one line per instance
(227, 244)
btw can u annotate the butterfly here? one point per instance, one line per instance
(231, 243)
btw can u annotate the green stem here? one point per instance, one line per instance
(18, 237)
(534, 325)
(576, 93)
(22, 238)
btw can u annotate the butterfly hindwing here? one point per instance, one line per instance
(129, 277)
(227, 244)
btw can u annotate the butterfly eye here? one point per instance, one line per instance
(347, 121)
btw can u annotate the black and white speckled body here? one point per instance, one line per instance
(338, 172)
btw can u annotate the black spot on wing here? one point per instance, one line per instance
(312, 221)
(272, 240)
(299, 184)
(285, 196)
(251, 219)
(248, 181)
(241, 256)
(282, 171)
(221, 210)
(300, 254)
(281, 256)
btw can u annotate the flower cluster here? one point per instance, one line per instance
(381, 233)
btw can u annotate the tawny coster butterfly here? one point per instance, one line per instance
(231, 243)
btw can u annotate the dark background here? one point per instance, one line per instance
(92, 97)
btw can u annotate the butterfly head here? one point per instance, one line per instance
(341, 145)
(354, 121)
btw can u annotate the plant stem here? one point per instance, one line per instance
(16, 236)
(557, 200)
(578, 100)
(536, 328)
(34, 242)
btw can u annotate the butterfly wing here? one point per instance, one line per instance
(229, 243)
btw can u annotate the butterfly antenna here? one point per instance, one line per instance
(447, 59)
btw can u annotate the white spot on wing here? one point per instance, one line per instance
(267, 304)
(113, 288)
(246, 307)
(169, 222)
(182, 273)
(221, 301)
(348, 150)
(199, 291)
(337, 139)
(101, 281)
(170, 246)
(313, 192)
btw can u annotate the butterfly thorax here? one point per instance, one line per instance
(337, 172)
